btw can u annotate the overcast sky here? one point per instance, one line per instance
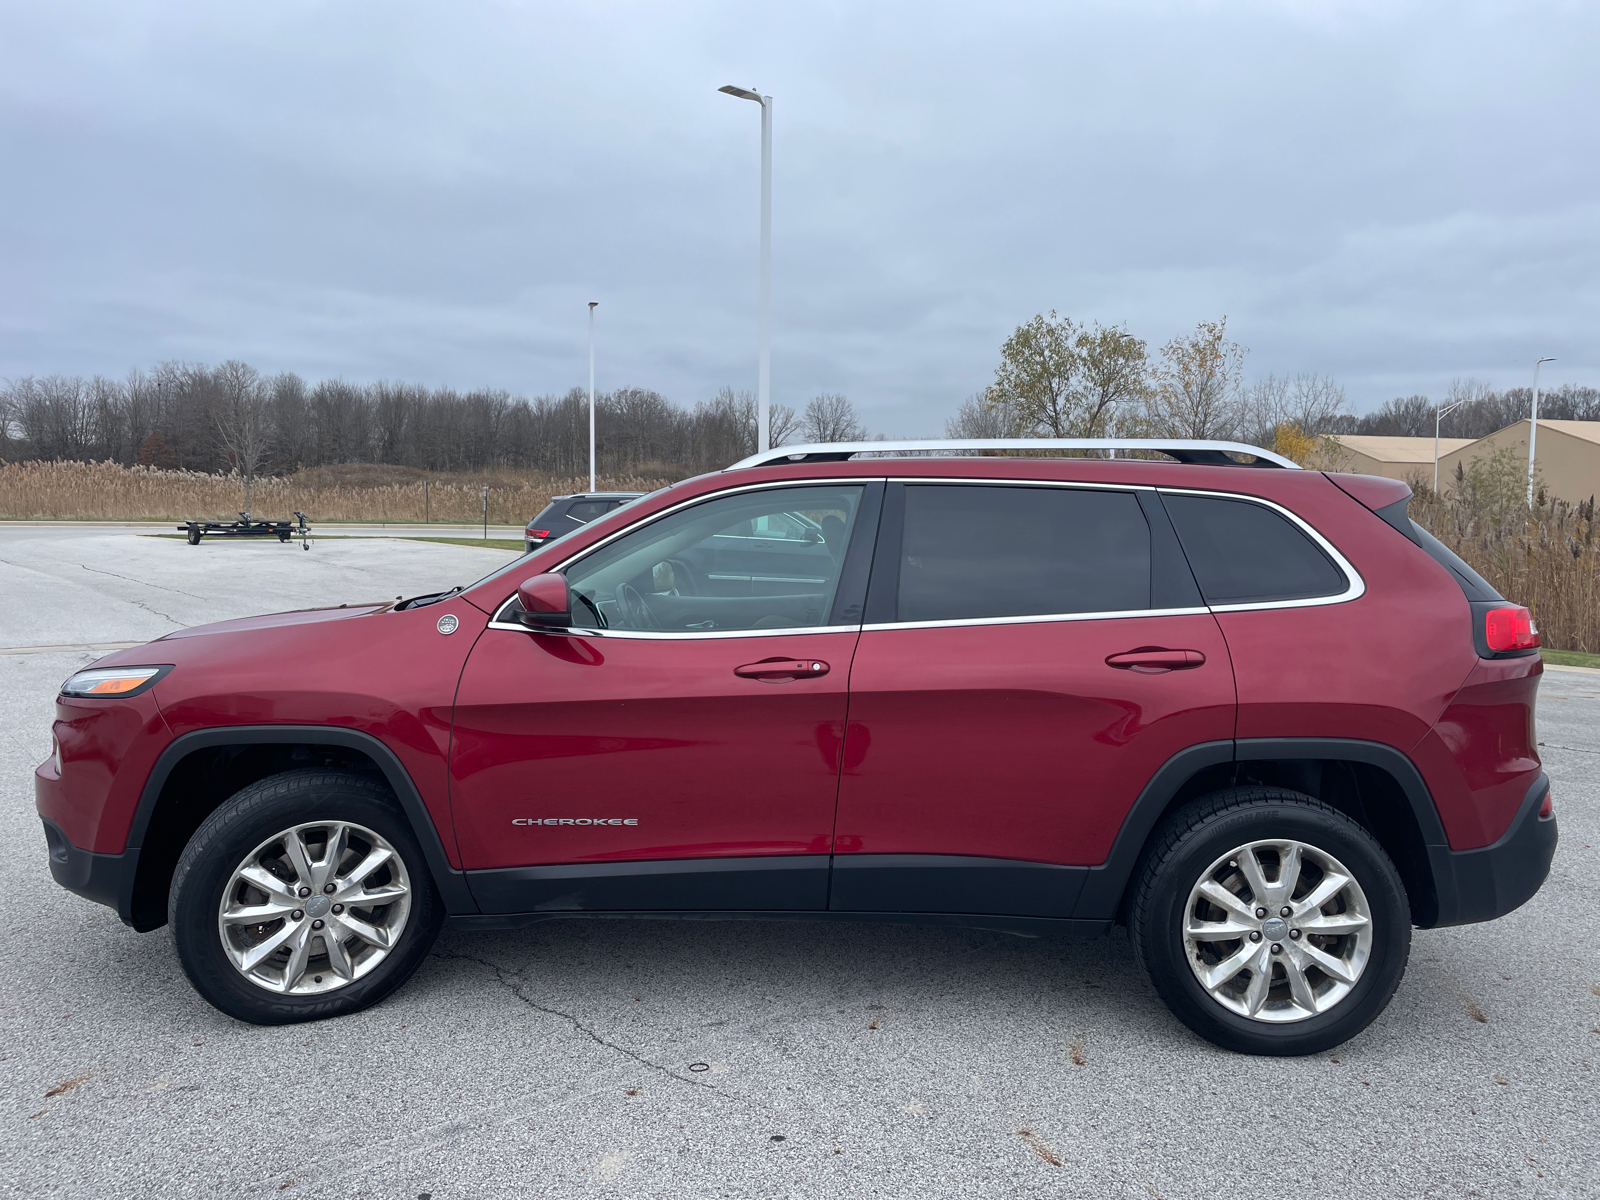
(1391, 193)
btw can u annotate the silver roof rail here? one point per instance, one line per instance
(1206, 453)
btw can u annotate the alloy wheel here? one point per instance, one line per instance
(1277, 931)
(314, 908)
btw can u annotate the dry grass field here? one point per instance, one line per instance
(75, 491)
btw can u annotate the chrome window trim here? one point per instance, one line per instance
(1357, 586)
(496, 622)
(1356, 589)
(1039, 618)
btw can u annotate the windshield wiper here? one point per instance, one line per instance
(430, 598)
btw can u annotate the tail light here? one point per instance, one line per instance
(1548, 808)
(1510, 627)
(538, 533)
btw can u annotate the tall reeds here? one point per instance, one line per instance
(76, 491)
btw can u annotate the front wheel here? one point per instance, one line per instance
(1269, 922)
(303, 896)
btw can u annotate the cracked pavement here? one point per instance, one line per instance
(629, 1058)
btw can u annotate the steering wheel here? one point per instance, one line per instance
(635, 611)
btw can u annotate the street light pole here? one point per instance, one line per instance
(764, 370)
(1439, 414)
(593, 304)
(1533, 425)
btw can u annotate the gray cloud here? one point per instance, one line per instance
(1391, 193)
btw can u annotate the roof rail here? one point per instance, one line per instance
(1205, 453)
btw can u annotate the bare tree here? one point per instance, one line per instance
(241, 420)
(831, 418)
(981, 417)
(1312, 404)
(1196, 385)
(783, 424)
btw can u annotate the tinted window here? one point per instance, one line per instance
(765, 559)
(584, 511)
(1244, 553)
(981, 551)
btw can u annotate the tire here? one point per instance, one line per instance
(194, 536)
(223, 957)
(283, 537)
(1292, 1006)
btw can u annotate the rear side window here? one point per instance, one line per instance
(1245, 553)
(584, 511)
(973, 551)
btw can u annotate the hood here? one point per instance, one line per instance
(304, 616)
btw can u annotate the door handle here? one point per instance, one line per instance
(782, 670)
(1156, 660)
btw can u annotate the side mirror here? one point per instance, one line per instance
(545, 603)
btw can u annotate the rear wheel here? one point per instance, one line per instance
(194, 535)
(303, 896)
(1270, 923)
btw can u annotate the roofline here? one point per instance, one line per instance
(1199, 452)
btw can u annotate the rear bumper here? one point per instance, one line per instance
(104, 878)
(1482, 884)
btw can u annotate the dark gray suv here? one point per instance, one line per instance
(565, 513)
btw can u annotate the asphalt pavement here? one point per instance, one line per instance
(655, 1058)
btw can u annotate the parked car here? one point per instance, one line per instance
(1258, 716)
(565, 513)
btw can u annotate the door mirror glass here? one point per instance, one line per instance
(544, 602)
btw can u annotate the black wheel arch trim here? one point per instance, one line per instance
(1469, 885)
(453, 889)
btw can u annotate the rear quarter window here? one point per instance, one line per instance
(1246, 553)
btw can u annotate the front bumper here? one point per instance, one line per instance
(104, 878)
(1482, 884)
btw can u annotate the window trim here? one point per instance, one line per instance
(1355, 585)
(497, 621)
(1030, 618)
(1355, 589)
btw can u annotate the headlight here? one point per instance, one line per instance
(112, 681)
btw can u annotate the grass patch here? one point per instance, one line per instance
(1571, 658)
(515, 545)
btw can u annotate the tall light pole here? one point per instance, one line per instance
(593, 304)
(1533, 425)
(764, 372)
(1439, 414)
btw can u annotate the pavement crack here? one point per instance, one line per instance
(141, 582)
(139, 603)
(515, 989)
(1574, 749)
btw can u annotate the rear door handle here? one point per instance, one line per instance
(782, 670)
(1156, 660)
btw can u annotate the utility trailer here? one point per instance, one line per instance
(246, 526)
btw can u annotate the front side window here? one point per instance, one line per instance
(764, 559)
(1247, 553)
(973, 551)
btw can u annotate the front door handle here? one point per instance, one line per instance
(1156, 660)
(782, 670)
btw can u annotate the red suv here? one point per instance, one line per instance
(1253, 713)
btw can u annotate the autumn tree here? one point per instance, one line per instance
(1195, 386)
(1060, 379)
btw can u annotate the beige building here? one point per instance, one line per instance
(1397, 457)
(1568, 455)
